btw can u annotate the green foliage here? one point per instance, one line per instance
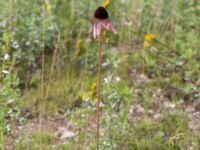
(2, 140)
(39, 140)
(9, 99)
(168, 133)
(53, 61)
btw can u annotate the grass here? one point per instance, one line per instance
(2, 140)
(150, 94)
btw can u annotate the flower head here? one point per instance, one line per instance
(85, 97)
(93, 87)
(150, 37)
(100, 22)
(7, 56)
(147, 44)
(93, 91)
(90, 95)
(101, 13)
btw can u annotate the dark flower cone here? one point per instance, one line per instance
(101, 13)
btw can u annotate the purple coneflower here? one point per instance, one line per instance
(100, 22)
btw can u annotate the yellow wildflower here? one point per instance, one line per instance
(107, 40)
(147, 44)
(93, 91)
(150, 37)
(84, 97)
(105, 32)
(105, 3)
(93, 87)
(198, 8)
(92, 95)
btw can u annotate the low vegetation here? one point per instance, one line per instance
(150, 75)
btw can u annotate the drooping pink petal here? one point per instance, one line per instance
(109, 26)
(113, 29)
(94, 31)
(94, 28)
(100, 24)
(106, 24)
(99, 27)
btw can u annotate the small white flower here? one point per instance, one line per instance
(7, 56)
(10, 101)
(107, 79)
(117, 78)
(5, 72)
(101, 105)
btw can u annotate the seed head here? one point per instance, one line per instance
(101, 13)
